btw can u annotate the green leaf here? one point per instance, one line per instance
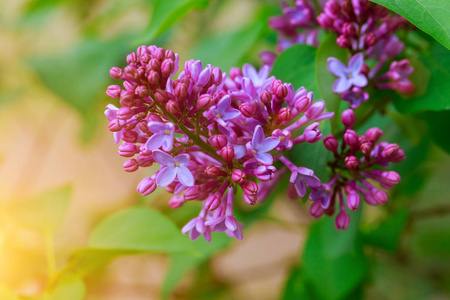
(43, 213)
(387, 234)
(333, 261)
(139, 229)
(296, 286)
(220, 49)
(436, 97)
(325, 80)
(296, 65)
(7, 294)
(438, 125)
(430, 16)
(165, 15)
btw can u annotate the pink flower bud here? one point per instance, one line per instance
(131, 72)
(400, 156)
(167, 67)
(365, 70)
(315, 110)
(405, 87)
(353, 201)
(279, 89)
(343, 41)
(238, 176)
(342, 220)
(176, 202)
(153, 65)
(114, 91)
(348, 118)
(212, 202)
(250, 188)
(235, 72)
(204, 101)
(373, 134)
(124, 113)
(212, 171)
(312, 134)
(366, 148)
(390, 150)
(160, 54)
(351, 138)
(247, 110)
(325, 21)
(141, 91)
(146, 186)
(265, 173)
(127, 150)
(218, 141)
(302, 104)
(114, 126)
(131, 58)
(392, 177)
(161, 96)
(145, 161)
(316, 210)
(227, 153)
(265, 97)
(130, 136)
(332, 9)
(192, 193)
(141, 50)
(250, 199)
(127, 98)
(153, 77)
(285, 114)
(130, 165)
(352, 162)
(181, 91)
(331, 143)
(381, 197)
(370, 39)
(349, 30)
(170, 55)
(129, 86)
(116, 72)
(172, 107)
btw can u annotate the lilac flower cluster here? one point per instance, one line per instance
(368, 30)
(211, 134)
(354, 173)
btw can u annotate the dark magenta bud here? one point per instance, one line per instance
(131, 72)
(351, 138)
(130, 136)
(172, 107)
(161, 96)
(212, 171)
(343, 41)
(392, 177)
(247, 109)
(370, 39)
(390, 150)
(250, 188)
(218, 141)
(265, 97)
(153, 77)
(238, 176)
(353, 201)
(285, 114)
(124, 113)
(141, 91)
(167, 67)
(373, 134)
(366, 148)
(330, 142)
(181, 91)
(342, 220)
(316, 210)
(352, 162)
(127, 98)
(348, 118)
(204, 101)
(227, 153)
(302, 104)
(381, 197)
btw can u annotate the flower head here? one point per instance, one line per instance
(172, 168)
(260, 145)
(348, 76)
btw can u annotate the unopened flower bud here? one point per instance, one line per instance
(315, 110)
(235, 72)
(181, 91)
(349, 30)
(153, 65)
(116, 72)
(351, 138)
(130, 136)
(330, 142)
(114, 91)
(400, 156)
(312, 134)
(127, 150)
(127, 98)
(212, 171)
(204, 101)
(366, 148)
(265, 173)
(114, 126)
(161, 96)
(131, 58)
(131, 72)
(342, 220)
(348, 118)
(167, 67)
(392, 177)
(153, 77)
(250, 199)
(170, 55)
(176, 202)
(192, 193)
(316, 210)
(353, 201)
(218, 141)
(247, 109)
(370, 39)
(302, 104)
(265, 97)
(285, 114)
(250, 188)
(390, 150)
(172, 107)
(141, 91)
(227, 153)
(146, 186)
(365, 70)
(381, 197)
(343, 41)
(124, 113)
(373, 134)
(238, 176)
(145, 161)
(129, 86)
(130, 165)
(212, 202)
(352, 162)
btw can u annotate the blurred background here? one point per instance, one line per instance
(60, 173)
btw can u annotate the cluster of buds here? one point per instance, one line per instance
(297, 25)
(210, 133)
(354, 172)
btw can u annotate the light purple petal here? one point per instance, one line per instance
(300, 187)
(185, 176)
(223, 104)
(356, 62)
(258, 135)
(167, 143)
(229, 114)
(312, 181)
(263, 74)
(305, 171)
(249, 71)
(293, 176)
(111, 112)
(231, 223)
(194, 234)
(191, 224)
(239, 151)
(268, 144)
(166, 176)
(204, 76)
(248, 87)
(196, 68)
(155, 141)
(264, 158)
(158, 127)
(359, 80)
(325, 201)
(336, 67)
(163, 158)
(118, 136)
(183, 159)
(341, 85)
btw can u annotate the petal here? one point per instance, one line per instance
(263, 74)
(163, 158)
(341, 85)
(264, 158)
(204, 76)
(223, 104)
(185, 176)
(166, 176)
(258, 135)
(359, 80)
(230, 113)
(239, 151)
(158, 127)
(356, 63)
(155, 141)
(249, 71)
(183, 159)
(248, 87)
(231, 223)
(189, 226)
(325, 201)
(300, 187)
(336, 67)
(194, 234)
(167, 143)
(268, 144)
(293, 177)
(312, 181)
